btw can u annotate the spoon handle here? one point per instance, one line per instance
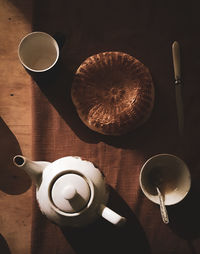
(163, 209)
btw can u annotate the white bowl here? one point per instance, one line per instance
(170, 174)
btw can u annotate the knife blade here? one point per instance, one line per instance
(178, 86)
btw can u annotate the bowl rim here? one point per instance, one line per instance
(156, 200)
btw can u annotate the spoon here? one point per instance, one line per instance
(158, 178)
(163, 209)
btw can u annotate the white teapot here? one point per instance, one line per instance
(70, 191)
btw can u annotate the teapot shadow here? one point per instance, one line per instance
(12, 181)
(184, 216)
(103, 237)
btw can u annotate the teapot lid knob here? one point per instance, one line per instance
(70, 193)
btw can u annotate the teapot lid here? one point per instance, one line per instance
(70, 193)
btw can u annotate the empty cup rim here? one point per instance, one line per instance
(46, 34)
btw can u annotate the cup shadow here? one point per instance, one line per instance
(55, 84)
(103, 237)
(184, 216)
(12, 181)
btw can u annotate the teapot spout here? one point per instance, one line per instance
(33, 168)
(112, 216)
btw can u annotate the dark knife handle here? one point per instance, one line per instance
(178, 86)
(180, 109)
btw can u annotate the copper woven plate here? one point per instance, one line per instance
(113, 93)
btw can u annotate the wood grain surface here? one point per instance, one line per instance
(15, 129)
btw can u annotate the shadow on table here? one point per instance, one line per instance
(4, 249)
(185, 216)
(12, 180)
(103, 237)
(56, 86)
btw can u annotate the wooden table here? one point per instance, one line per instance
(15, 128)
(144, 29)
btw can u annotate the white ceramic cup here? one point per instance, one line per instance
(170, 174)
(38, 51)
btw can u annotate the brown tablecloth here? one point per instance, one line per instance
(145, 30)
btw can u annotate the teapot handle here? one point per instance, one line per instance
(111, 216)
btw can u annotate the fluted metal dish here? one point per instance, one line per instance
(113, 93)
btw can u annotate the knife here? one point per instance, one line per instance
(178, 86)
